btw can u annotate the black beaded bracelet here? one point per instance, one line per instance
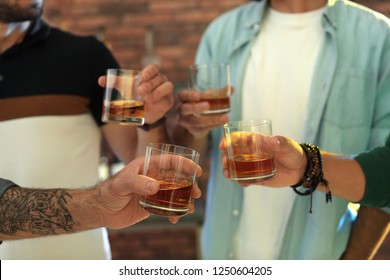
(148, 127)
(313, 175)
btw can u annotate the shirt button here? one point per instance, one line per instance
(230, 255)
(235, 212)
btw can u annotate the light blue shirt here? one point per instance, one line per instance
(349, 112)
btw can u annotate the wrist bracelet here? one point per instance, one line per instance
(313, 175)
(148, 127)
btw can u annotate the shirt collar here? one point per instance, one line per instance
(329, 18)
(256, 16)
(38, 31)
(251, 24)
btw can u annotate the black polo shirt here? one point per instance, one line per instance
(53, 72)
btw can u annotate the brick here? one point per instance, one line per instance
(164, 242)
(173, 5)
(221, 5)
(197, 16)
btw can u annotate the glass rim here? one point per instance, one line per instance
(158, 147)
(247, 123)
(113, 71)
(208, 65)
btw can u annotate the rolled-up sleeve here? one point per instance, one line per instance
(4, 185)
(376, 167)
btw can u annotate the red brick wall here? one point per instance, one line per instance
(178, 25)
(160, 241)
(382, 6)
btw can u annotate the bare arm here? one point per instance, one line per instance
(27, 213)
(345, 177)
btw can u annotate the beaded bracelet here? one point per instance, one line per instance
(313, 175)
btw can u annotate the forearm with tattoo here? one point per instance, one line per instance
(35, 212)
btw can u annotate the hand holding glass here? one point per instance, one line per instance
(213, 82)
(121, 102)
(250, 160)
(175, 169)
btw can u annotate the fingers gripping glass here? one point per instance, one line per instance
(250, 158)
(175, 169)
(213, 82)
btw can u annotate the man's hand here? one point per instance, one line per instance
(289, 159)
(118, 196)
(156, 90)
(189, 110)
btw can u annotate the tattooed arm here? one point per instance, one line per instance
(27, 213)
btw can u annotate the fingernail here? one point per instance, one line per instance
(205, 106)
(223, 118)
(152, 186)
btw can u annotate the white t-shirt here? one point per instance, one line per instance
(53, 152)
(276, 87)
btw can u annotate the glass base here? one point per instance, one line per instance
(163, 211)
(218, 111)
(253, 180)
(126, 120)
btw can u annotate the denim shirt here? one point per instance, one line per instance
(4, 185)
(349, 112)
